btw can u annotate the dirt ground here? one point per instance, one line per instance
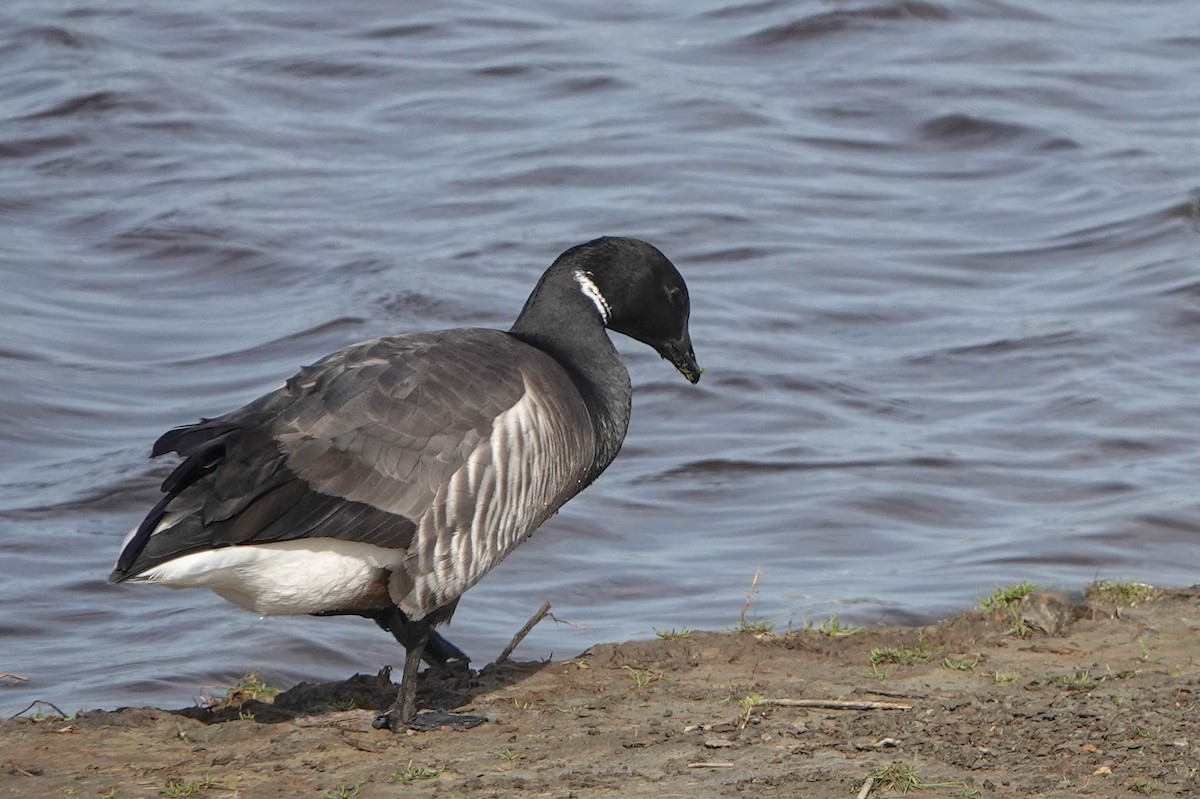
(1047, 697)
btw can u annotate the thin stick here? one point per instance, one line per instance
(710, 765)
(338, 718)
(524, 631)
(834, 704)
(573, 624)
(17, 677)
(750, 594)
(34, 704)
(896, 694)
(866, 789)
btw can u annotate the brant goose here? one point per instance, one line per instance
(387, 478)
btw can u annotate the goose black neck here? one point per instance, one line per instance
(559, 320)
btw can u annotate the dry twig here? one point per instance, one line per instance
(750, 595)
(524, 631)
(572, 624)
(834, 704)
(866, 789)
(37, 702)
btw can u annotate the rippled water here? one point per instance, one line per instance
(943, 259)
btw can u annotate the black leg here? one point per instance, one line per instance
(438, 651)
(403, 712)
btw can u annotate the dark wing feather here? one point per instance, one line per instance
(390, 430)
(355, 447)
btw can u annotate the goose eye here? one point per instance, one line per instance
(675, 294)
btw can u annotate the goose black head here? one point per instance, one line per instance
(638, 292)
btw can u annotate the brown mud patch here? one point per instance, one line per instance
(1058, 699)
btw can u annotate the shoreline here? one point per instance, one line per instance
(1036, 695)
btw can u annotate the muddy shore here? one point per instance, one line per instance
(1047, 697)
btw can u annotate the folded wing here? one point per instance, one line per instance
(451, 446)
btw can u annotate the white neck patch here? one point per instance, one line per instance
(589, 289)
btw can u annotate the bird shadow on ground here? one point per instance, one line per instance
(438, 688)
(447, 687)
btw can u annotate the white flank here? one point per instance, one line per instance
(287, 577)
(589, 289)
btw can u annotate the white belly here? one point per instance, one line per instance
(287, 577)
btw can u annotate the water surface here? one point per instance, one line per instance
(942, 259)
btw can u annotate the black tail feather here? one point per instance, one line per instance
(185, 439)
(138, 542)
(202, 446)
(199, 460)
